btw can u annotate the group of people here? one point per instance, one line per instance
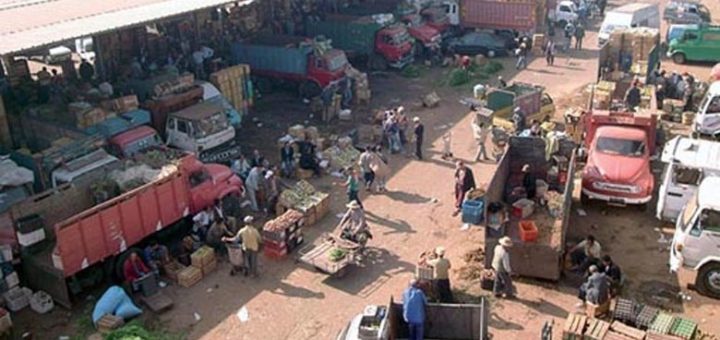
(260, 179)
(397, 131)
(604, 277)
(673, 86)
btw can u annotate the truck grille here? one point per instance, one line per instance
(615, 187)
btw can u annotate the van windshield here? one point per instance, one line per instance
(211, 125)
(714, 103)
(623, 147)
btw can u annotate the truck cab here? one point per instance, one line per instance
(212, 94)
(682, 12)
(327, 69)
(424, 35)
(696, 243)
(393, 43)
(687, 162)
(564, 12)
(202, 129)
(707, 119)
(618, 145)
(129, 143)
(437, 18)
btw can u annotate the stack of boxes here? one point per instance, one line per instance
(303, 197)
(630, 48)
(204, 259)
(86, 115)
(122, 104)
(234, 83)
(179, 84)
(283, 234)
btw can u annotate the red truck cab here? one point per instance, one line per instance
(393, 43)
(327, 69)
(437, 18)
(129, 143)
(423, 33)
(619, 146)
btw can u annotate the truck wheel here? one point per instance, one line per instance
(678, 58)
(120, 261)
(707, 281)
(310, 89)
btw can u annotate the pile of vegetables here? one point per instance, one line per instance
(337, 254)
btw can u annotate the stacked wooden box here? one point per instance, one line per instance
(122, 104)
(574, 327)
(172, 270)
(233, 82)
(189, 276)
(630, 332)
(596, 329)
(85, 115)
(314, 205)
(361, 86)
(603, 95)
(179, 84)
(204, 259)
(283, 234)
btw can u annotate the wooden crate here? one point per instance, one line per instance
(631, 332)
(109, 322)
(574, 327)
(656, 336)
(612, 335)
(202, 257)
(189, 276)
(596, 330)
(172, 269)
(209, 267)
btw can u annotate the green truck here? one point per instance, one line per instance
(696, 44)
(373, 38)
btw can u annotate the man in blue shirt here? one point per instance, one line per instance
(414, 302)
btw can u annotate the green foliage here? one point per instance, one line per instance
(411, 71)
(134, 330)
(458, 77)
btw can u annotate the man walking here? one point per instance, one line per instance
(352, 184)
(414, 302)
(501, 264)
(419, 132)
(521, 57)
(569, 33)
(550, 52)
(441, 275)
(579, 35)
(251, 241)
(480, 132)
(364, 161)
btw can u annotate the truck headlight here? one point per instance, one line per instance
(679, 247)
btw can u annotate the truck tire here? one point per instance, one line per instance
(309, 89)
(707, 281)
(679, 58)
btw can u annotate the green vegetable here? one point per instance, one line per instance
(337, 254)
(458, 77)
(411, 71)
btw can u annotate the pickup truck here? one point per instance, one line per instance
(619, 146)
(294, 59)
(534, 102)
(442, 321)
(542, 258)
(89, 239)
(374, 38)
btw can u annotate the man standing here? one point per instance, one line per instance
(521, 57)
(529, 182)
(352, 184)
(633, 97)
(613, 272)
(364, 161)
(287, 159)
(419, 132)
(501, 264)
(251, 241)
(464, 182)
(414, 302)
(569, 33)
(480, 132)
(518, 119)
(441, 276)
(86, 71)
(688, 92)
(252, 185)
(579, 35)
(550, 52)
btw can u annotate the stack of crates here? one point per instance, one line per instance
(646, 317)
(684, 328)
(283, 234)
(234, 83)
(662, 324)
(204, 259)
(625, 311)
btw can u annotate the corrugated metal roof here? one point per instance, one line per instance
(29, 24)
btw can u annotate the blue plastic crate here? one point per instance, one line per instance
(472, 211)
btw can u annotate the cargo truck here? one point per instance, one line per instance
(541, 257)
(520, 16)
(88, 242)
(532, 100)
(293, 59)
(442, 321)
(382, 44)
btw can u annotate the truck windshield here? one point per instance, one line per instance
(714, 106)
(400, 38)
(336, 61)
(211, 125)
(141, 144)
(624, 147)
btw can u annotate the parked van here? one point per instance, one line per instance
(696, 243)
(630, 15)
(700, 44)
(676, 31)
(707, 119)
(687, 162)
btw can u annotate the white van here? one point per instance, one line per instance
(630, 15)
(696, 243)
(707, 119)
(687, 162)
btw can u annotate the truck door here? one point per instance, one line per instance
(679, 184)
(179, 134)
(703, 239)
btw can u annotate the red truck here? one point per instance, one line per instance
(90, 239)
(427, 38)
(619, 146)
(437, 17)
(519, 15)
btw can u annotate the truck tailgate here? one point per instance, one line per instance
(517, 15)
(107, 229)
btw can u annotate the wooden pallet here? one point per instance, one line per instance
(574, 327)
(611, 335)
(596, 329)
(632, 333)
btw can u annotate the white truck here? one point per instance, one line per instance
(627, 16)
(687, 162)
(696, 243)
(707, 119)
(564, 12)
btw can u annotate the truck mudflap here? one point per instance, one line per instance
(222, 154)
(407, 59)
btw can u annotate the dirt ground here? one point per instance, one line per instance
(290, 301)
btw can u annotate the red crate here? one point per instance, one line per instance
(528, 231)
(275, 253)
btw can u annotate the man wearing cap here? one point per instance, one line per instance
(441, 276)
(251, 241)
(501, 264)
(414, 302)
(419, 132)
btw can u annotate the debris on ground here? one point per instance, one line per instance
(431, 99)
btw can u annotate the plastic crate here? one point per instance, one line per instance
(646, 317)
(684, 328)
(472, 211)
(625, 311)
(528, 231)
(662, 324)
(17, 298)
(523, 208)
(41, 302)
(275, 253)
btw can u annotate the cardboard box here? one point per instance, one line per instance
(172, 270)
(209, 267)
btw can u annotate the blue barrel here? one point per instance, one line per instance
(472, 211)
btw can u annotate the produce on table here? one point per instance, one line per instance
(337, 254)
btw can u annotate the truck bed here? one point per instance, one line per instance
(445, 321)
(516, 15)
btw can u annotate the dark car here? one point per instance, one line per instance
(686, 12)
(474, 43)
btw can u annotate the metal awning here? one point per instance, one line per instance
(30, 24)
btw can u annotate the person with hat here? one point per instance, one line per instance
(251, 241)
(529, 182)
(441, 275)
(353, 224)
(214, 236)
(414, 302)
(419, 132)
(501, 265)
(353, 187)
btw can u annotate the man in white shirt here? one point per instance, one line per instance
(252, 185)
(586, 253)
(480, 132)
(501, 264)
